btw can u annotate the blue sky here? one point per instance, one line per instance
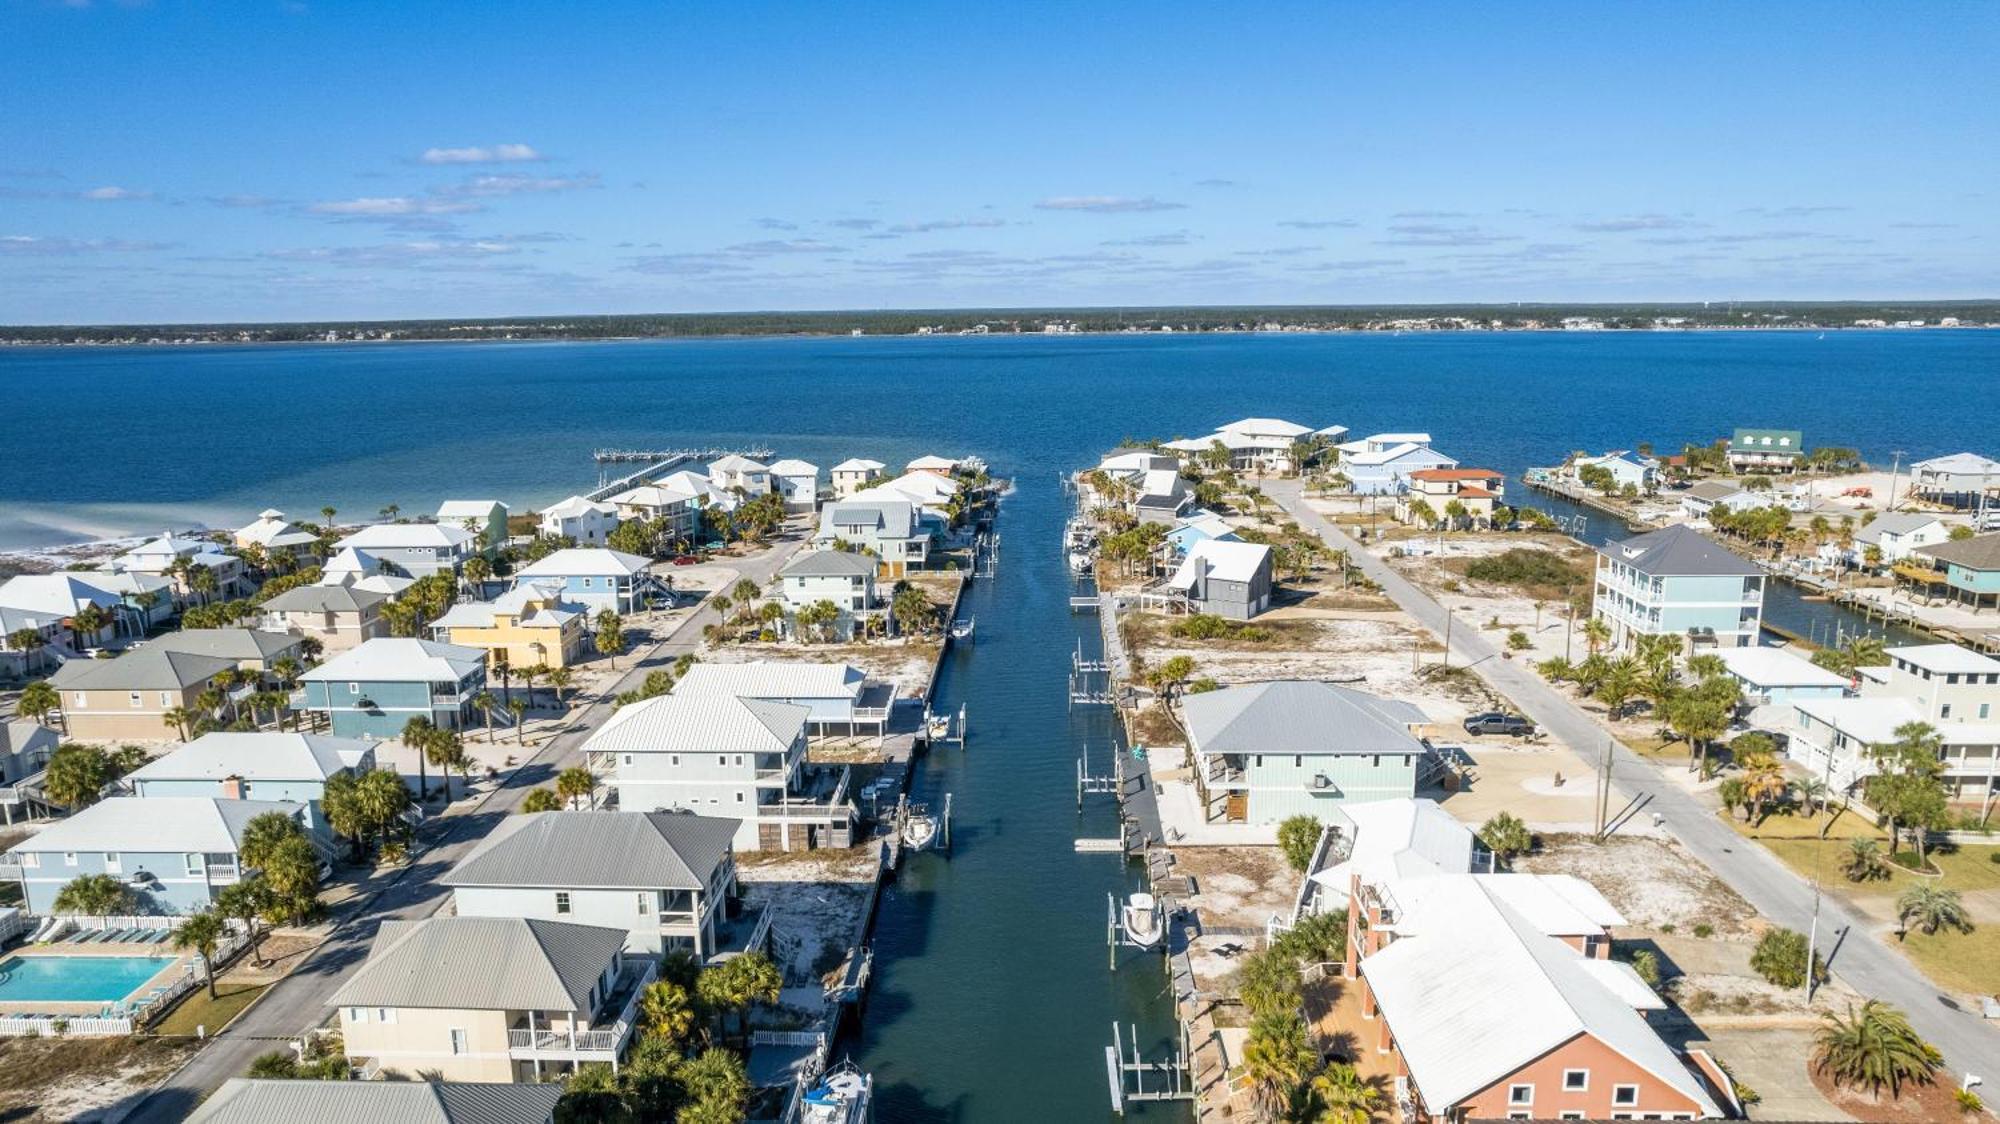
(189, 161)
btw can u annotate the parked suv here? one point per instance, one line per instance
(1495, 722)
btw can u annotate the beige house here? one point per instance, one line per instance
(492, 999)
(1480, 490)
(253, 649)
(341, 616)
(126, 699)
(851, 476)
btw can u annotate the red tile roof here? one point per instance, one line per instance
(1456, 474)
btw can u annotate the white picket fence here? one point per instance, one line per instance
(59, 1026)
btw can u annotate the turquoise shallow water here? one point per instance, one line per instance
(74, 979)
(993, 1001)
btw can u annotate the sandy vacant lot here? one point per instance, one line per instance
(1653, 882)
(815, 900)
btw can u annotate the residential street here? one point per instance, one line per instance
(299, 1001)
(1858, 957)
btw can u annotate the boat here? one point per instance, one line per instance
(938, 726)
(840, 1096)
(1081, 561)
(920, 828)
(1145, 925)
(962, 630)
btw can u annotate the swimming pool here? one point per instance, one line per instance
(75, 979)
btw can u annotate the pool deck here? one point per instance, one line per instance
(171, 962)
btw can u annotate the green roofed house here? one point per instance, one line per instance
(242, 1100)
(1267, 751)
(1767, 450)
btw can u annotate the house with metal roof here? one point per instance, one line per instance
(1477, 490)
(843, 578)
(1964, 571)
(358, 569)
(486, 519)
(173, 852)
(1895, 535)
(839, 697)
(737, 473)
(1779, 676)
(1198, 525)
(666, 878)
(1266, 751)
(261, 765)
(162, 556)
(1959, 479)
(854, 474)
(718, 754)
(339, 616)
(582, 521)
(243, 1100)
(127, 698)
(531, 625)
(1626, 468)
(134, 602)
(888, 529)
(492, 999)
(1223, 577)
(253, 649)
(414, 550)
(1386, 472)
(1257, 444)
(1952, 689)
(275, 534)
(676, 509)
(797, 483)
(596, 578)
(1678, 582)
(1702, 498)
(25, 748)
(373, 690)
(1766, 450)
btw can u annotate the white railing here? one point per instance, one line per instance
(568, 1041)
(56, 1026)
(125, 921)
(787, 1038)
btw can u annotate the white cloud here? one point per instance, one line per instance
(1107, 204)
(946, 224)
(113, 194)
(1318, 224)
(390, 206)
(784, 246)
(1637, 222)
(63, 247)
(414, 254)
(497, 154)
(514, 184)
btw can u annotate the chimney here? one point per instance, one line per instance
(232, 788)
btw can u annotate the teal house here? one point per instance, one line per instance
(1267, 751)
(1678, 582)
(234, 765)
(174, 853)
(373, 690)
(1968, 570)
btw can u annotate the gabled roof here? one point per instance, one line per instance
(1678, 551)
(794, 467)
(141, 669)
(770, 679)
(1462, 474)
(1980, 552)
(1266, 427)
(654, 495)
(889, 518)
(58, 595)
(700, 723)
(257, 756)
(348, 561)
(736, 462)
(407, 536)
(1713, 490)
(582, 561)
(482, 964)
(242, 1100)
(22, 736)
(533, 604)
(1775, 667)
(273, 529)
(931, 464)
(468, 509)
(1297, 717)
(1895, 523)
(859, 464)
(1958, 464)
(399, 659)
(1222, 559)
(325, 599)
(1746, 440)
(169, 546)
(230, 643)
(1398, 452)
(1395, 839)
(829, 564)
(1946, 658)
(155, 825)
(576, 506)
(599, 850)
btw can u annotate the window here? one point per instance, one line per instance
(195, 863)
(81, 700)
(562, 901)
(69, 858)
(1576, 1080)
(645, 903)
(1572, 1114)
(627, 759)
(133, 699)
(31, 860)
(357, 1015)
(112, 863)
(1520, 1094)
(166, 698)
(385, 1014)
(1625, 1094)
(722, 759)
(739, 760)
(354, 688)
(739, 798)
(674, 759)
(458, 1043)
(1944, 711)
(1985, 711)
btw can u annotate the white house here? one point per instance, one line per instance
(943, 466)
(1386, 472)
(160, 556)
(1773, 679)
(677, 508)
(1625, 467)
(275, 534)
(1702, 498)
(1897, 533)
(481, 517)
(845, 579)
(1256, 444)
(838, 697)
(797, 483)
(1954, 690)
(585, 522)
(595, 577)
(854, 474)
(413, 550)
(1959, 478)
(888, 529)
(735, 473)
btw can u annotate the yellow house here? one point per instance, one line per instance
(493, 999)
(530, 625)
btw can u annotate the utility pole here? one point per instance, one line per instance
(1448, 614)
(1894, 469)
(1812, 934)
(1569, 630)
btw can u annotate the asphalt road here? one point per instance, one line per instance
(299, 1001)
(1854, 954)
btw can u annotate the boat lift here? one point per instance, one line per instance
(946, 727)
(1089, 680)
(1128, 1077)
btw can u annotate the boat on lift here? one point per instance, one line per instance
(1145, 922)
(962, 630)
(920, 828)
(842, 1095)
(1081, 561)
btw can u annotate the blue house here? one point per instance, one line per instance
(173, 852)
(1387, 472)
(1266, 751)
(293, 768)
(375, 689)
(594, 576)
(1678, 582)
(1199, 525)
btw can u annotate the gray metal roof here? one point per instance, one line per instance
(829, 564)
(325, 599)
(482, 964)
(19, 737)
(147, 669)
(231, 643)
(599, 850)
(1981, 552)
(1298, 717)
(242, 1100)
(1679, 551)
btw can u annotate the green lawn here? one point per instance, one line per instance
(1965, 961)
(199, 1010)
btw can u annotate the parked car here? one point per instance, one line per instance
(686, 560)
(1498, 722)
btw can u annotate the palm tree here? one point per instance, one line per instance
(1620, 683)
(1929, 908)
(247, 901)
(528, 676)
(1764, 781)
(94, 895)
(38, 700)
(484, 702)
(28, 642)
(326, 515)
(1863, 861)
(1596, 634)
(736, 983)
(541, 800)
(87, 623)
(519, 710)
(201, 581)
(610, 635)
(1344, 1098)
(575, 783)
(200, 933)
(76, 775)
(446, 750)
(560, 679)
(1277, 1057)
(417, 734)
(1873, 1047)
(665, 1010)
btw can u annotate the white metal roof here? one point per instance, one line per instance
(737, 463)
(767, 679)
(156, 824)
(576, 506)
(700, 723)
(407, 536)
(1266, 427)
(936, 463)
(57, 595)
(1776, 667)
(580, 561)
(655, 495)
(256, 756)
(399, 659)
(1948, 658)
(468, 509)
(792, 466)
(1399, 838)
(859, 464)
(1225, 560)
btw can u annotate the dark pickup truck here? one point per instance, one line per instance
(1494, 722)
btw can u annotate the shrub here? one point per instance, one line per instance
(1318, 939)
(1506, 836)
(1517, 641)
(1780, 957)
(1297, 837)
(1704, 930)
(1647, 964)
(1969, 1102)
(1525, 566)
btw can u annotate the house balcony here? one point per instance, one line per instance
(606, 1036)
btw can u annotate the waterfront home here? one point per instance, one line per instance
(1145, 484)
(1379, 841)
(413, 550)
(20, 656)
(491, 999)
(928, 490)
(1954, 690)
(582, 521)
(718, 754)
(740, 475)
(843, 578)
(854, 474)
(145, 601)
(1380, 443)
(839, 699)
(1478, 490)
(48, 604)
(1959, 479)
(1678, 582)
(339, 616)
(486, 519)
(358, 569)
(233, 765)
(677, 509)
(702, 487)
(1966, 571)
(253, 649)
(797, 483)
(172, 852)
(531, 625)
(1226, 578)
(1700, 499)
(1779, 677)
(377, 687)
(1266, 751)
(274, 534)
(941, 466)
(243, 1100)
(129, 698)
(1198, 525)
(162, 556)
(1626, 468)
(887, 529)
(1257, 444)
(594, 577)
(1387, 472)
(1766, 450)
(1895, 534)
(664, 878)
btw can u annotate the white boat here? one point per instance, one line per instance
(1145, 924)
(962, 630)
(1080, 561)
(841, 1096)
(919, 828)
